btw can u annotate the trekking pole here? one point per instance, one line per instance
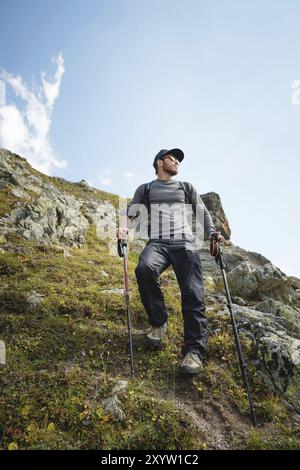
(122, 251)
(216, 251)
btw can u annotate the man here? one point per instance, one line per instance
(171, 242)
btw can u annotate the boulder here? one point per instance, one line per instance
(258, 282)
(278, 352)
(120, 387)
(51, 219)
(272, 282)
(112, 406)
(286, 315)
(242, 280)
(103, 216)
(35, 298)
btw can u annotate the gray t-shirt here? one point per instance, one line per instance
(171, 218)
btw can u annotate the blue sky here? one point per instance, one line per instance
(127, 78)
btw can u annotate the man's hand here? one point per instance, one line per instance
(122, 233)
(218, 236)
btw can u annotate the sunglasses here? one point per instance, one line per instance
(173, 159)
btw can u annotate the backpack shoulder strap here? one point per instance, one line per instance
(186, 187)
(147, 193)
(146, 201)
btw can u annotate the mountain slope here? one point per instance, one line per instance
(63, 320)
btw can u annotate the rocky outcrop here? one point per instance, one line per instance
(252, 282)
(214, 205)
(272, 337)
(278, 352)
(289, 317)
(45, 213)
(51, 219)
(102, 216)
(233, 257)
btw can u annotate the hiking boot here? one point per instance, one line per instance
(191, 363)
(156, 334)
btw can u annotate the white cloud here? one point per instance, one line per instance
(13, 129)
(25, 129)
(51, 88)
(128, 174)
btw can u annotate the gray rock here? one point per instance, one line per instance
(18, 193)
(67, 254)
(233, 256)
(35, 299)
(278, 353)
(279, 356)
(103, 216)
(120, 387)
(115, 290)
(286, 315)
(239, 300)
(53, 217)
(217, 298)
(294, 281)
(273, 283)
(104, 273)
(7, 177)
(242, 280)
(256, 282)
(16, 215)
(83, 183)
(113, 406)
(49, 220)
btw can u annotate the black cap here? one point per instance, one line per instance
(176, 152)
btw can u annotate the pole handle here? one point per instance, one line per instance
(121, 244)
(216, 250)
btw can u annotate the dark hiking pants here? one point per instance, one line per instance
(154, 259)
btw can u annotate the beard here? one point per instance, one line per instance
(171, 170)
